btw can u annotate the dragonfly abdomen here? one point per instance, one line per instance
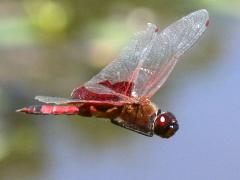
(50, 109)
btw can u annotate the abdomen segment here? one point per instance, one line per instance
(48, 109)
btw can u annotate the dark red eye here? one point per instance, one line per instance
(165, 125)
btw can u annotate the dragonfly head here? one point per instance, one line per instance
(165, 125)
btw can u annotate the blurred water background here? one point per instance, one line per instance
(50, 47)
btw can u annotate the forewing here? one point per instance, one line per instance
(165, 49)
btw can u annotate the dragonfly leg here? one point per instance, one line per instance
(131, 127)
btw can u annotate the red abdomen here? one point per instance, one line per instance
(48, 109)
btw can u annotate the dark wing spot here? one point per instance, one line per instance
(207, 23)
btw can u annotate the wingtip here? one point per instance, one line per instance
(37, 97)
(205, 12)
(24, 110)
(152, 27)
(21, 110)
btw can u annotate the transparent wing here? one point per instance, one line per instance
(149, 58)
(121, 69)
(56, 100)
(165, 49)
(62, 101)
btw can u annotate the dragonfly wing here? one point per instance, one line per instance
(165, 49)
(104, 90)
(121, 69)
(55, 100)
(146, 62)
(62, 101)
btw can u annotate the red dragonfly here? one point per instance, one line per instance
(122, 91)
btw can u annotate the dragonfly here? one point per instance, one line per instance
(122, 91)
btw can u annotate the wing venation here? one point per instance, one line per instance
(149, 58)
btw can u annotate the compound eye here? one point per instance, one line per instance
(165, 125)
(162, 121)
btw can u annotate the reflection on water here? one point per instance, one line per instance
(48, 48)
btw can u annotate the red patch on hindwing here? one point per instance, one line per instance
(85, 94)
(123, 87)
